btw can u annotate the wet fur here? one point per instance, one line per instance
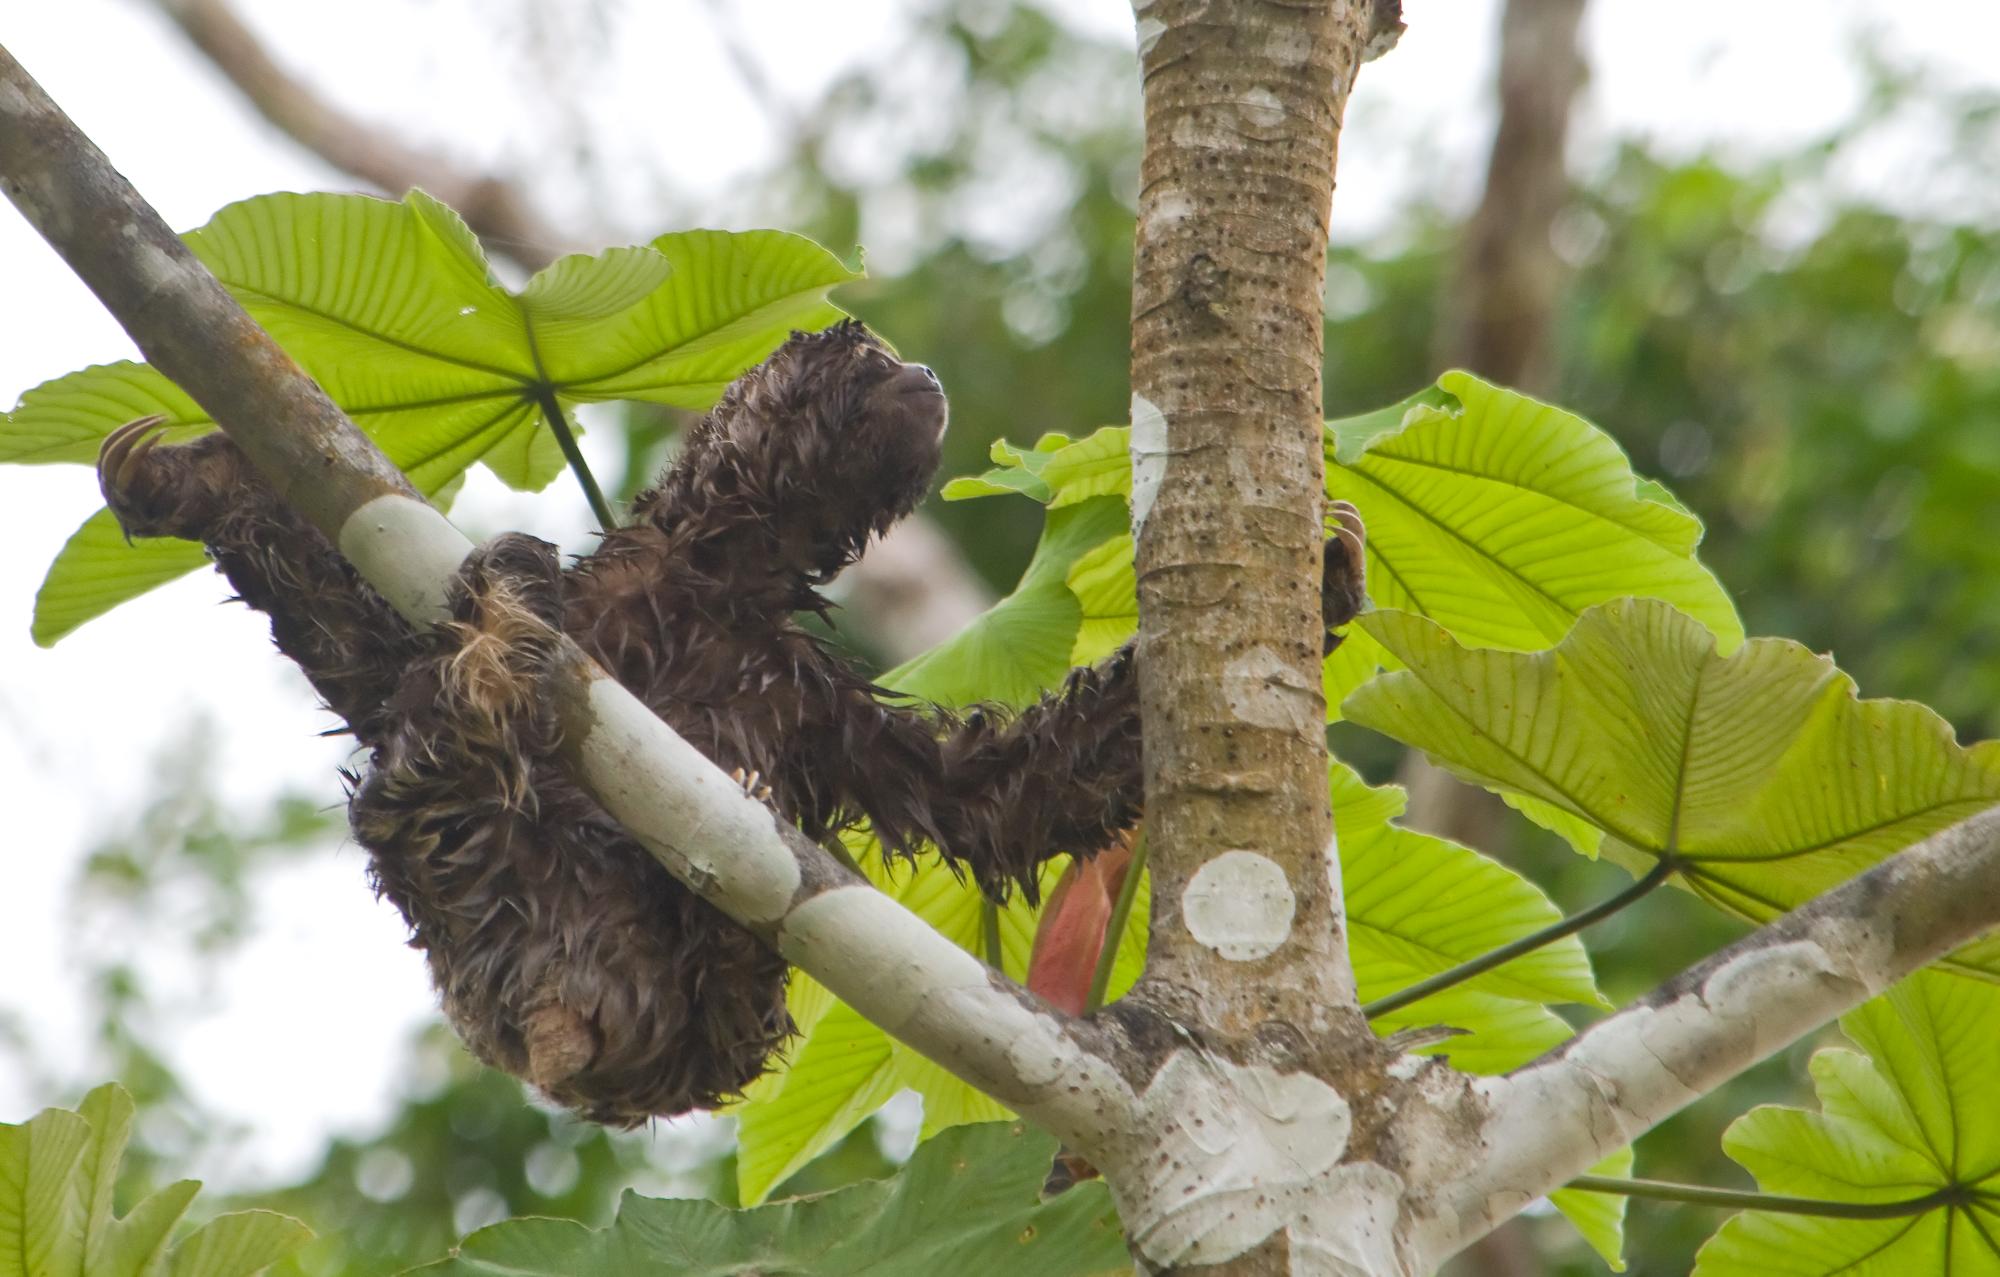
(562, 952)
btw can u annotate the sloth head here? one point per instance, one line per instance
(832, 439)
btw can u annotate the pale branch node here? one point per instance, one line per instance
(1356, 1162)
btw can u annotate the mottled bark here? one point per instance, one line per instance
(1243, 106)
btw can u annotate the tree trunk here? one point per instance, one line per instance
(1243, 107)
(1500, 314)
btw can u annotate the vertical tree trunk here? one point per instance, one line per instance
(1499, 316)
(1243, 105)
(1503, 299)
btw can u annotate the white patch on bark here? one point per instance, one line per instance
(1335, 883)
(1552, 1120)
(1201, 132)
(1285, 42)
(1405, 1067)
(1149, 457)
(1261, 108)
(1150, 31)
(680, 805)
(407, 550)
(1348, 1228)
(1239, 905)
(1168, 209)
(160, 270)
(1263, 691)
(1241, 1153)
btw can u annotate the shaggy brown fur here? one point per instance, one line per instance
(563, 953)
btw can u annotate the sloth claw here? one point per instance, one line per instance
(752, 783)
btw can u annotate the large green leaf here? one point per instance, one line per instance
(1019, 647)
(968, 1202)
(391, 306)
(1917, 1115)
(57, 1175)
(1418, 905)
(1741, 767)
(1600, 1217)
(1505, 519)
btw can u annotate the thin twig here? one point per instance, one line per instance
(1733, 1199)
(1506, 953)
(566, 440)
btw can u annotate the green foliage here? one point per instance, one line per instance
(968, 1201)
(392, 308)
(1914, 1120)
(471, 1147)
(1498, 517)
(1418, 905)
(1637, 735)
(58, 1174)
(1820, 393)
(1818, 377)
(1485, 507)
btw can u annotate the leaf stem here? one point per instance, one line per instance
(1730, 1199)
(1485, 962)
(989, 930)
(1114, 927)
(566, 440)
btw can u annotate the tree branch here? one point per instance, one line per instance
(732, 850)
(1548, 1121)
(498, 211)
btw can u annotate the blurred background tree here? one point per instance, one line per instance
(1816, 376)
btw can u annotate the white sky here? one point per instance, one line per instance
(305, 1031)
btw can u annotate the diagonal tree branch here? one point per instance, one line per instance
(497, 210)
(1552, 1119)
(728, 847)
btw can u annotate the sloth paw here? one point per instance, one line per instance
(179, 490)
(1343, 590)
(752, 783)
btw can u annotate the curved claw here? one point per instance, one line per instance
(127, 444)
(752, 783)
(1349, 519)
(1343, 589)
(120, 460)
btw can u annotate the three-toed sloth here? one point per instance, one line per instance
(562, 951)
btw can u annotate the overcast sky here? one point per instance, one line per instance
(305, 1031)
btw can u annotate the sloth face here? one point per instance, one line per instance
(838, 439)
